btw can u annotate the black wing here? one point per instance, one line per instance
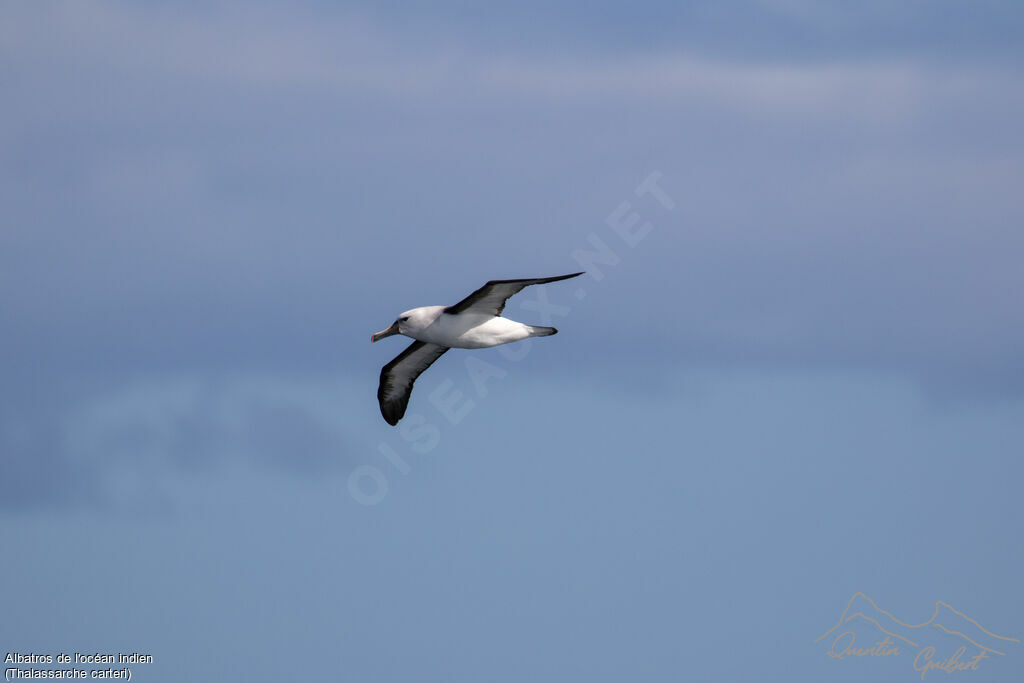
(397, 377)
(491, 297)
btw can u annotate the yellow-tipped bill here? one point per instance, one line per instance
(394, 329)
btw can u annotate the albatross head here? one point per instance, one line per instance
(410, 322)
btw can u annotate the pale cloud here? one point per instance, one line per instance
(347, 52)
(132, 444)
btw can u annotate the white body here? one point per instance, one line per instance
(463, 331)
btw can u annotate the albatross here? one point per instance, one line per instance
(473, 323)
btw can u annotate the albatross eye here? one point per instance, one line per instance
(403, 318)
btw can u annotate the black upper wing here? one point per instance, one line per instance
(397, 377)
(491, 297)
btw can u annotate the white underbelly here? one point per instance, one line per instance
(473, 331)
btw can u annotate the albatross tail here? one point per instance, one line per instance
(541, 331)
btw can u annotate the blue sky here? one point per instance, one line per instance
(804, 381)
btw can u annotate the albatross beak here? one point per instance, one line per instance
(386, 333)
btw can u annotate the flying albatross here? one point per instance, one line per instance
(473, 323)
